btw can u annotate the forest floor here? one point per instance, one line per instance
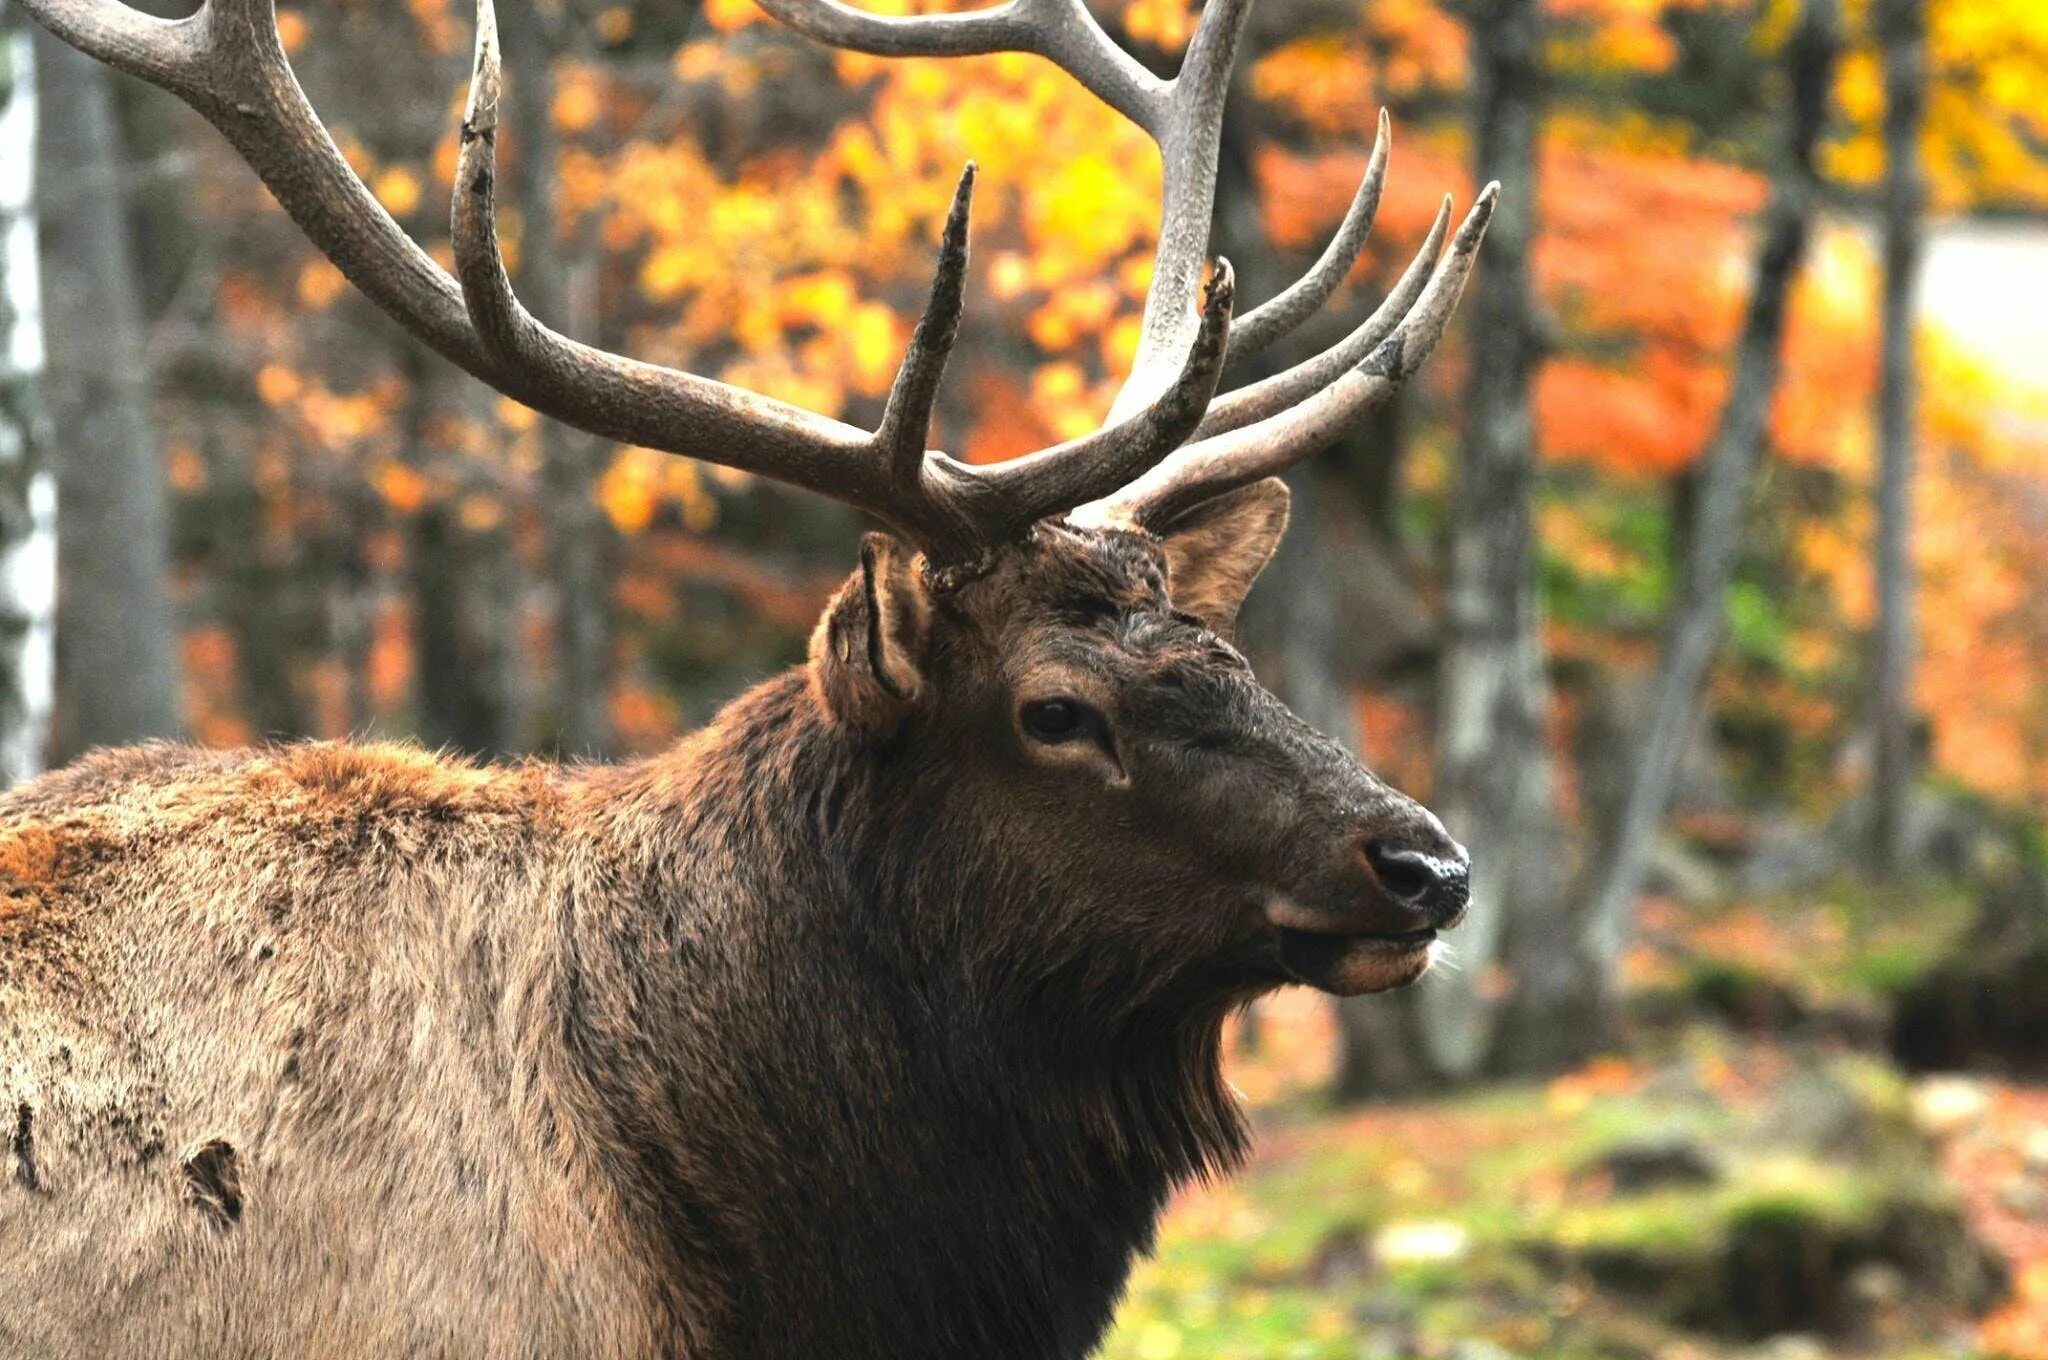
(1754, 1179)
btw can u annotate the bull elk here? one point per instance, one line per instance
(878, 1018)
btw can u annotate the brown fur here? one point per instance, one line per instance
(855, 1025)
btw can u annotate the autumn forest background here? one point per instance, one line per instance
(1698, 581)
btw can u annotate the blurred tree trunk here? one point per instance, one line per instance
(1902, 31)
(1494, 780)
(1295, 621)
(464, 583)
(1373, 456)
(465, 635)
(578, 534)
(1720, 492)
(28, 490)
(1376, 1054)
(116, 645)
(256, 576)
(341, 574)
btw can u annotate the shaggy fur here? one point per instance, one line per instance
(851, 1027)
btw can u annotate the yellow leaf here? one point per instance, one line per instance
(577, 104)
(515, 415)
(398, 189)
(872, 340)
(320, 283)
(276, 384)
(291, 30)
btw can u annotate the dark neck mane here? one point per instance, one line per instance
(977, 1149)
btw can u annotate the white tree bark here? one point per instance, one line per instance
(117, 661)
(28, 489)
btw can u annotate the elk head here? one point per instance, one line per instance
(1073, 718)
(1065, 616)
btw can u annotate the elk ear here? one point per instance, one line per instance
(1216, 550)
(867, 653)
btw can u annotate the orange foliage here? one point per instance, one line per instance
(797, 270)
(1643, 256)
(208, 660)
(1296, 1052)
(1573, 1092)
(1007, 423)
(1986, 124)
(1605, 37)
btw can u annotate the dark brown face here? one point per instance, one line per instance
(1115, 745)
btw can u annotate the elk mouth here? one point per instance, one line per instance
(1351, 964)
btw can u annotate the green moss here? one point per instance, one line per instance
(1283, 1262)
(1847, 950)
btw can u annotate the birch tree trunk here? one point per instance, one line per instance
(28, 490)
(116, 657)
(1719, 495)
(1902, 31)
(1494, 784)
(578, 534)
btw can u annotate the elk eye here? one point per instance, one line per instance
(1055, 720)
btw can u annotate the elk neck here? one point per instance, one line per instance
(824, 1002)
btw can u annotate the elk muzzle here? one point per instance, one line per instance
(1370, 921)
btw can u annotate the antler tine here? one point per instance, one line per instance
(611, 394)
(881, 473)
(1213, 466)
(1270, 396)
(907, 418)
(1185, 118)
(1278, 315)
(165, 52)
(1061, 31)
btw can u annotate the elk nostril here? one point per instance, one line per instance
(1413, 877)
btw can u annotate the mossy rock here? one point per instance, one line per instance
(1746, 998)
(1978, 1013)
(1826, 1184)
(1985, 1006)
(1776, 1247)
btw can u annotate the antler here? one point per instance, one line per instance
(952, 510)
(1266, 428)
(228, 63)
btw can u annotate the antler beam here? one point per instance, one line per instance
(1061, 31)
(228, 63)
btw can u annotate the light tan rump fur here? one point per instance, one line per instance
(231, 985)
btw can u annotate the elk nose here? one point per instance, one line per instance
(1435, 882)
